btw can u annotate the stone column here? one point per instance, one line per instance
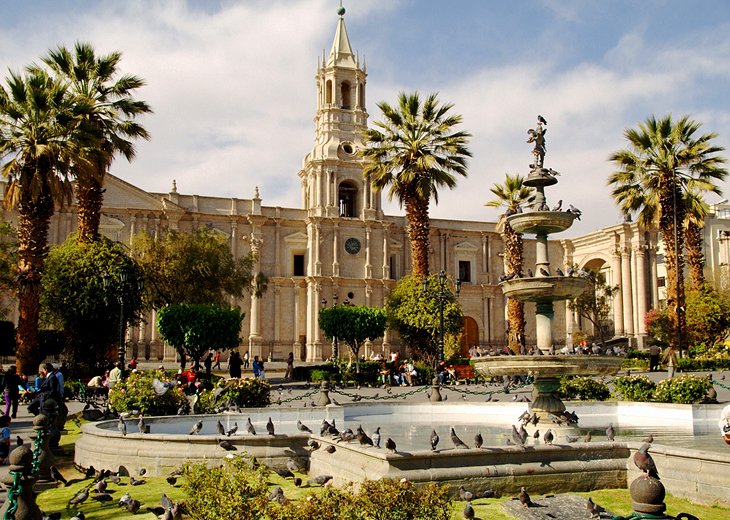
(336, 249)
(234, 238)
(618, 309)
(132, 230)
(254, 336)
(368, 265)
(641, 289)
(317, 261)
(626, 291)
(386, 252)
(485, 259)
(654, 281)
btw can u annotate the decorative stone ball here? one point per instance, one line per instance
(21, 456)
(647, 495)
(40, 420)
(341, 11)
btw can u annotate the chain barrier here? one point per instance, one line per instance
(502, 390)
(378, 397)
(14, 492)
(721, 385)
(280, 401)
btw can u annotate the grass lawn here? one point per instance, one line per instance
(616, 500)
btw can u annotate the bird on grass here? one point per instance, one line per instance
(525, 497)
(465, 495)
(319, 480)
(126, 497)
(57, 477)
(468, 511)
(303, 427)
(171, 480)
(80, 497)
(102, 497)
(644, 462)
(434, 440)
(249, 426)
(79, 516)
(133, 506)
(136, 482)
(270, 427)
(283, 472)
(195, 430)
(100, 487)
(458, 443)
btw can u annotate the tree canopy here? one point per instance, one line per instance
(8, 264)
(195, 329)
(353, 325)
(195, 267)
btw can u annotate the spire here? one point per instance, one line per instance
(341, 54)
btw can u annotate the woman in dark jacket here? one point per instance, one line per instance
(12, 391)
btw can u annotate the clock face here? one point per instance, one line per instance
(352, 246)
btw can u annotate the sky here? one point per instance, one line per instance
(232, 83)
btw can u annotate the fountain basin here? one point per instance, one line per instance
(547, 366)
(541, 222)
(543, 289)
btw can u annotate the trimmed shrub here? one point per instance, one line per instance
(136, 393)
(304, 373)
(245, 392)
(684, 389)
(583, 389)
(634, 388)
(700, 364)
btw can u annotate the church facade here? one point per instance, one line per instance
(339, 245)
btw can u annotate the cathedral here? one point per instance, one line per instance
(339, 246)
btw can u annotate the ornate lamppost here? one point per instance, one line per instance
(442, 293)
(124, 293)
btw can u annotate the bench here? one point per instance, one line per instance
(465, 373)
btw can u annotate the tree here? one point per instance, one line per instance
(414, 314)
(353, 325)
(708, 316)
(664, 159)
(195, 329)
(110, 112)
(594, 304)
(415, 151)
(40, 138)
(75, 301)
(195, 267)
(512, 195)
(694, 238)
(8, 265)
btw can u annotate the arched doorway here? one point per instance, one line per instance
(469, 336)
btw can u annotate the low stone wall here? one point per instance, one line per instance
(544, 469)
(699, 476)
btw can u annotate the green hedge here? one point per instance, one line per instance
(136, 393)
(684, 389)
(634, 388)
(583, 389)
(695, 365)
(244, 392)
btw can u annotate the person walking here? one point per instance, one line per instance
(12, 391)
(245, 361)
(654, 352)
(258, 368)
(234, 365)
(289, 367)
(217, 360)
(670, 359)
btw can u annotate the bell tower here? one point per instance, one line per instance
(331, 174)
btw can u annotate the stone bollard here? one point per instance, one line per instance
(43, 458)
(53, 434)
(20, 504)
(324, 397)
(435, 391)
(647, 496)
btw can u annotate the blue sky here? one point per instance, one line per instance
(232, 82)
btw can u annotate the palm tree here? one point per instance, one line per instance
(696, 211)
(415, 150)
(664, 159)
(111, 113)
(40, 139)
(512, 195)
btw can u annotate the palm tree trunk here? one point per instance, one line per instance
(419, 230)
(694, 242)
(515, 309)
(673, 257)
(90, 197)
(34, 218)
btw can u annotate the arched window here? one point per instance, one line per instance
(328, 92)
(345, 94)
(347, 197)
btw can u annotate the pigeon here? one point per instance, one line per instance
(126, 497)
(276, 495)
(160, 387)
(171, 480)
(102, 497)
(184, 409)
(133, 506)
(79, 516)
(559, 271)
(319, 480)
(122, 426)
(226, 445)
(233, 430)
(523, 433)
(302, 427)
(548, 437)
(115, 479)
(390, 445)
(298, 482)
(100, 487)
(90, 472)
(575, 211)
(141, 424)
(465, 495)
(283, 472)
(292, 465)
(80, 497)
(594, 510)
(376, 437)
(196, 428)
(136, 482)
(534, 419)
(516, 437)
(220, 428)
(610, 433)
(558, 206)
(649, 439)
(313, 444)
(56, 476)
(468, 511)
(324, 428)
(434, 440)
(587, 437)
(458, 443)
(478, 441)
(644, 462)
(330, 449)
(141, 471)
(525, 417)
(332, 429)
(542, 121)
(536, 435)
(524, 498)
(571, 439)
(270, 427)
(249, 427)
(544, 272)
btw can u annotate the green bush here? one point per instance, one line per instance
(244, 392)
(304, 373)
(369, 372)
(637, 354)
(425, 371)
(136, 393)
(317, 376)
(684, 389)
(583, 389)
(700, 364)
(235, 490)
(634, 388)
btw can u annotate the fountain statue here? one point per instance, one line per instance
(544, 288)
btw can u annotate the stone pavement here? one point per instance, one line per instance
(564, 507)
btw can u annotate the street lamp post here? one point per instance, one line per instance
(122, 296)
(677, 271)
(442, 293)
